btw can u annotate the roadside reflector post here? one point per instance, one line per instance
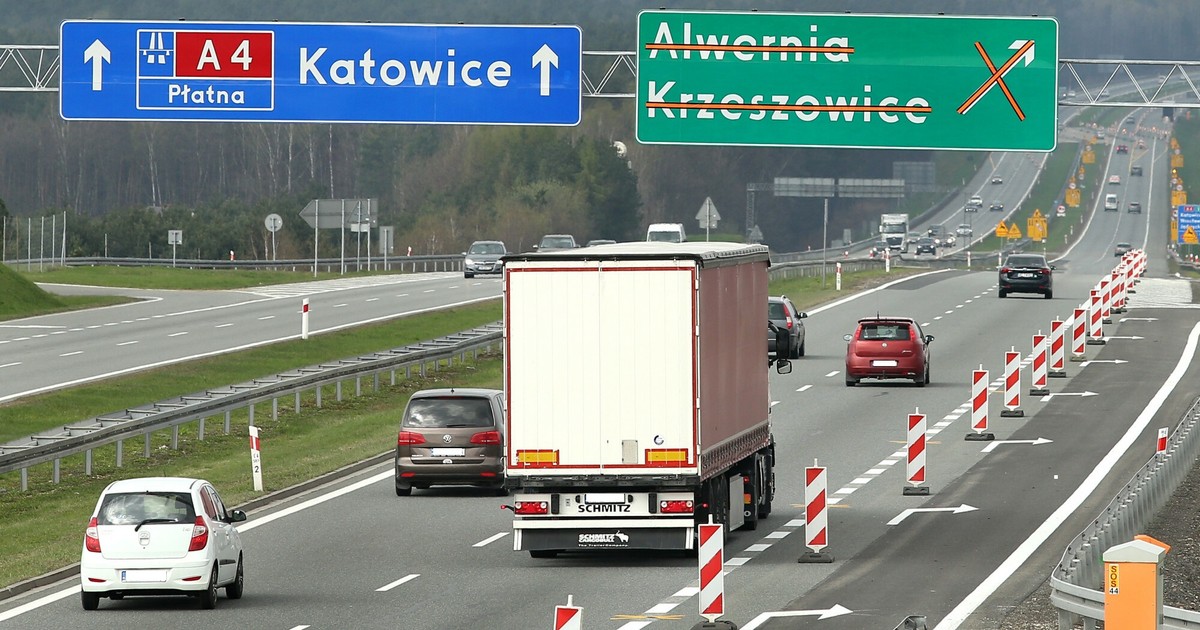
(1160, 448)
(256, 459)
(1118, 284)
(887, 260)
(1078, 335)
(1058, 349)
(1106, 288)
(816, 514)
(979, 407)
(1133, 584)
(837, 283)
(1096, 327)
(569, 617)
(712, 570)
(915, 469)
(1012, 385)
(304, 319)
(1038, 386)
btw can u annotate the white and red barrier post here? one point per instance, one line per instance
(979, 407)
(1038, 386)
(1106, 288)
(837, 284)
(1012, 385)
(1160, 448)
(1096, 326)
(1118, 278)
(816, 514)
(915, 469)
(887, 259)
(256, 458)
(1079, 325)
(712, 571)
(304, 319)
(569, 617)
(1058, 335)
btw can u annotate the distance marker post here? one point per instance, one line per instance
(256, 459)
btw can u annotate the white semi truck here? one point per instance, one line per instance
(893, 228)
(636, 391)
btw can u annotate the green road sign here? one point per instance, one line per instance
(829, 80)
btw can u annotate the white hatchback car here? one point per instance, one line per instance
(161, 536)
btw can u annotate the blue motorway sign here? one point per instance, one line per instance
(1188, 220)
(299, 72)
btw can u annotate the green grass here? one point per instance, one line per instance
(177, 278)
(41, 529)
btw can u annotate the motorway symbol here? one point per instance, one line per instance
(836, 610)
(910, 511)
(992, 446)
(310, 72)
(1047, 397)
(1025, 51)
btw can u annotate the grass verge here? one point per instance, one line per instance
(178, 278)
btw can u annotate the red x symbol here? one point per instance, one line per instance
(997, 78)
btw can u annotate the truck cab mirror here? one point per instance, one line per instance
(783, 366)
(783, 343)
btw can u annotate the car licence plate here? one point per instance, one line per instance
(1026, 275)
(144, 575)
(883, 363)
(447, 452)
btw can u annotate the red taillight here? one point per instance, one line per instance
(676, 507)
(408, 438)
(91, 537)
(531, 507)
(486, 437)
(1005, 270)
(199, 535)
(789, 322)
(1045, 272)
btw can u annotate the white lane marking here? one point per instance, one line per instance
(111, 324)
(38, 603)
(93, 326)
(267, 317)
(76, 330)
(949, 312)
(13, 364)
(38, 336)
(39, 326)
(736, 562)
(21, 339)
(490, 539)
(924, 323)
(662, 609)
(774, 402)
(876, 471)
(1013, 562)
(339, 305)
(833, 373)
(177, 334)
(402, 295)
(143, 319)
(687, 591)
(299, 628)
(127, 321)
(846, 490)
(861, 480)
(937, 318)
(776, 535)
(805, 388)
(408, 578)
(428, 291)
(888, 462)
(71, 354)
(758, 547)
(59, 332)
(126, 343)
(796, 522)
(222, 325)
(375, 299)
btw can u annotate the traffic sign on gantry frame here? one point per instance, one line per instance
(830, 80)
(294, 72)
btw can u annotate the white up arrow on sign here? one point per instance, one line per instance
(545, 57)
(97, 55)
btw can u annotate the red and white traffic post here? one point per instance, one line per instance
(887, 259)
(712, 570)
(1078, 337)
(816, 514)
(1161, 448)
(1058, 366)
(1012, 385)
(1096, 327)
(979, 407)
(1118, 280)
(569, 617)
(915, 447)
(256, 459)
(1106, 288)
(304, 319)
(1038, 386)
(837, 283)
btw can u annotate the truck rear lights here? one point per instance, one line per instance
(408, 438)
(676, 507)
(537, 457)
(199, 535)
(91, 537)
(666, 456)
(486, 437)
(531, 508)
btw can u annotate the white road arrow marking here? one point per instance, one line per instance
(1113, 361)
(97, 55)
(545, 57)
(992, 445)
(1139, 319)
(836, 610)
(910, 511)
(1080, 394)
(1116, 337)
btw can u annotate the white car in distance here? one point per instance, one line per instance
(161, 536)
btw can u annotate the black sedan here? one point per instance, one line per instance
(1027, 273)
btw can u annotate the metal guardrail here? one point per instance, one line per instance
(1075, 582)
(415, 264)
(87, 435)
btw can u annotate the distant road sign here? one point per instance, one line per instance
(1188, 221)
(293, 72)
(830, 80)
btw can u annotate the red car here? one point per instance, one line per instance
(888, 347)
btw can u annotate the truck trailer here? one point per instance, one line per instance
(635, 378)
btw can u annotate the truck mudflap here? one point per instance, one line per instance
(604, 537)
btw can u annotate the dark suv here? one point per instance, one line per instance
(451, 437)
(782, 313)
(1027, 273)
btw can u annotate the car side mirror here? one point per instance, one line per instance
(928, 338)
(783, 366)
(801, 315)
(1052, 267)
(237, 516)
(847, 336)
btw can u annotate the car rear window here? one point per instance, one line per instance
(487, 248)
(775, 310)
(136, 507)
(1026, 261)
(449, 412)
(885, 332)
